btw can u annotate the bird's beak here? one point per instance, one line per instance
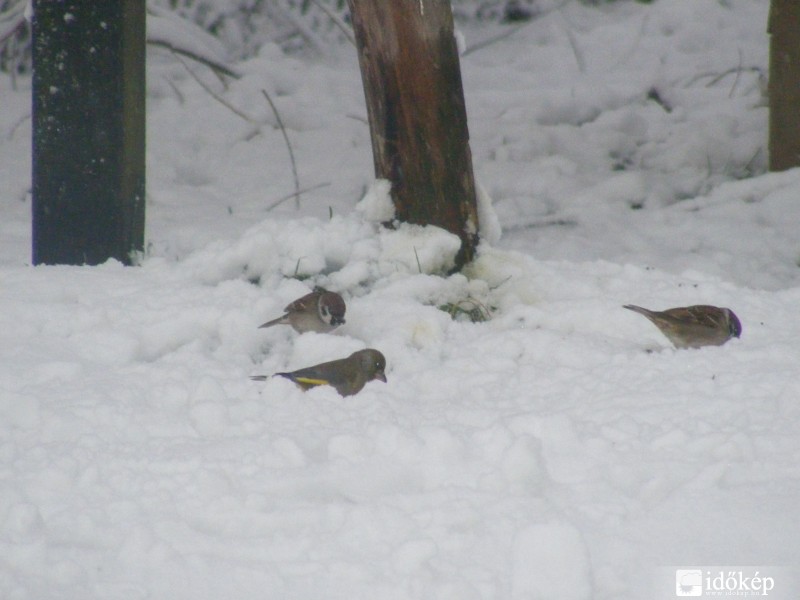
(335, 321)
(380, 377)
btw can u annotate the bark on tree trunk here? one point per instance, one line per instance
(784, 85)
(417, 116)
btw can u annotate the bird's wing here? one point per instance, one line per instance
(706, 316)
(310, 381)
(327, 373)
(303, 303)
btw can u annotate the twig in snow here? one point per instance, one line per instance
(280, 201)
(11, 20)
(20, 121)
(175, 90)
(217, 67)
(749, 166)
(337, 20)
(545, 222)
(493, 40)
(508, 33)
(212, 93)
(717, 77)
(738, 75)
(304, 32)
(288, 146)
(654, 95)
(419, 266)
(357, 118)
(579, 60)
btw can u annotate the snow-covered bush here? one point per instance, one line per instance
(15, 37)
(243, 26)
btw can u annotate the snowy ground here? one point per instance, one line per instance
(561, 450)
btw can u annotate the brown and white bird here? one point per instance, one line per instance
(320, 311)
(348, 375)
(694, 326)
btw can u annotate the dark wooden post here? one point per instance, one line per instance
(88, 130)
(784, 85)
(417, 117)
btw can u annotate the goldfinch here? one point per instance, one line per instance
(694, 326)
(348, 375)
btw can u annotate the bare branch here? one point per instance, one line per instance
(11, 20)
(215, 66)
(288, 146)
(509, 32)
(358, 118)
(213, 94)
(579, 60)
(738, 75)
(717, 77)
(168, 30)
(304, 32)
(493, 40)
(20, 121)
(336, 19)
(292, 195)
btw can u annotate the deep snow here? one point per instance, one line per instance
(560, 450)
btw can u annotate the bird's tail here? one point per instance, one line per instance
(638, 309)
(278, 321)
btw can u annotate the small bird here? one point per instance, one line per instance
(348, 375)
(320, 311)
(694, 326)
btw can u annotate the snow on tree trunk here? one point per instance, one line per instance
(418, 121)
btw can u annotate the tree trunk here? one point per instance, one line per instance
(88, 130)
(784, 85)
(417, 117)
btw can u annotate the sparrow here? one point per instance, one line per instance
(694, 326)
(320, 311)
(348, 375)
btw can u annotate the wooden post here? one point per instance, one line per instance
(784, 85)
(88, 130)
(417, 116)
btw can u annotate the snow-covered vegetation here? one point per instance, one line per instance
(534, 439)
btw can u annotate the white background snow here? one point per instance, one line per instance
(561, 450)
